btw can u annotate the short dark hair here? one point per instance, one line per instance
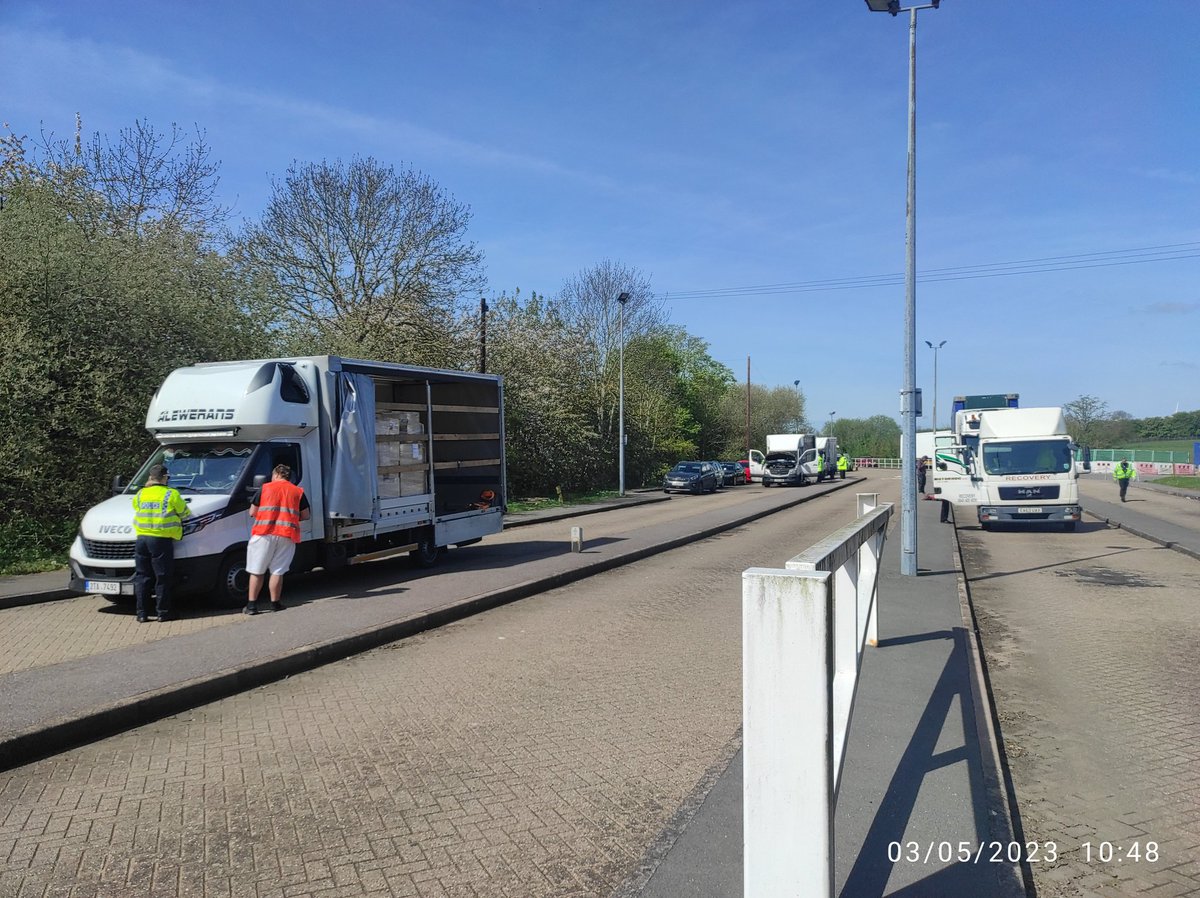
(157, 474)
(282, 470)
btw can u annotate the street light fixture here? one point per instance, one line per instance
(908, 397)
(935, 353)
(622, 298)
(832, 415)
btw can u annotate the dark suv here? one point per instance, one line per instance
(692, 477)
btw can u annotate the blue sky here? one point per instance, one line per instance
(718, 147)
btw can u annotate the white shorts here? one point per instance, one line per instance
(269, 553)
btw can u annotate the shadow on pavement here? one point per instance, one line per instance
(1117, 550)
(872, 866)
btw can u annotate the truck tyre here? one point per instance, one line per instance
(426, 554)
(233, 580)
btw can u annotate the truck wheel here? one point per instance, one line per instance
(233, 581)
(426, 553)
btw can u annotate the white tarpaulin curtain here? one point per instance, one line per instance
(353, 492)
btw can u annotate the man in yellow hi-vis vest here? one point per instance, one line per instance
(158, 513)
(843, 465)
(1122, 474)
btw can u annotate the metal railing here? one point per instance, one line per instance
(804, 631)
(1169, 456)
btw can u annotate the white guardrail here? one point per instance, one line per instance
(804, 630)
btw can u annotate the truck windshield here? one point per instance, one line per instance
(199, 468)
(1027, 457)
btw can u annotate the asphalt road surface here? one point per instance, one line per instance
(1090, 639)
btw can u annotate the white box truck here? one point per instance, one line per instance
(1018, 467)
(392, 459)
(790, 459)
(828, 448)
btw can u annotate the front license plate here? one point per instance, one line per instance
(1029, 511)
(102, 586)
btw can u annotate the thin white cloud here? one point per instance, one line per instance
(1171, 308)
(1189, 366)
(103, 68)
(1170, 175)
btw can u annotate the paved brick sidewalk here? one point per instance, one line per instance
(919, 782)
(534, 750)
(1090, 642)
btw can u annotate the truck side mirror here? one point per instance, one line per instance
(117, 486)
(256, 484)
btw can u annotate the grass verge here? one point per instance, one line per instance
(538, 503)
(1183, 483)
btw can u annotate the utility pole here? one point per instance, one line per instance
(748, 447)
(483, 308)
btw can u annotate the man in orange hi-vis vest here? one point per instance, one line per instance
(275, 515)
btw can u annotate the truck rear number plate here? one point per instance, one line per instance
(102, 586)
(1029, 511)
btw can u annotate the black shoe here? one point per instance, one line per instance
(164, 618)
(251, 608)
(141, 618)
(277, 606)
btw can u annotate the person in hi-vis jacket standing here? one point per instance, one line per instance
(275, 515)
(158, 513)
(1122, 474)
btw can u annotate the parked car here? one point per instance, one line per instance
(734, 473)
(691, 477)
(719, 473)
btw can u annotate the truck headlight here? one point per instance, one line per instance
(195, 525)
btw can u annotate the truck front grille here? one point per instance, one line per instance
(108, 551)
(1030, 494)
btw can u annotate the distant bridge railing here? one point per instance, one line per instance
(877, 463)
(804, 631)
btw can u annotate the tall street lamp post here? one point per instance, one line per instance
(832, 415)
(935, 353)
(621, 300)
(908, 398)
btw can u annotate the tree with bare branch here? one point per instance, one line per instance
(368, 259)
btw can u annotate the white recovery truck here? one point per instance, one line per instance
(1016, 465)
(792, 459)
(392, 459)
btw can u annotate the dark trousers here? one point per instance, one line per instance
(842, 474)
(944, 514)
(153, 557)
(920, 481)
(1123, 483)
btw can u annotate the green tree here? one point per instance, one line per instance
(772, 410)
(598, 321)
(368, 261)
(548, 421)
(674, 392)
(1085, 418)
(874, 437)
(100, 304)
